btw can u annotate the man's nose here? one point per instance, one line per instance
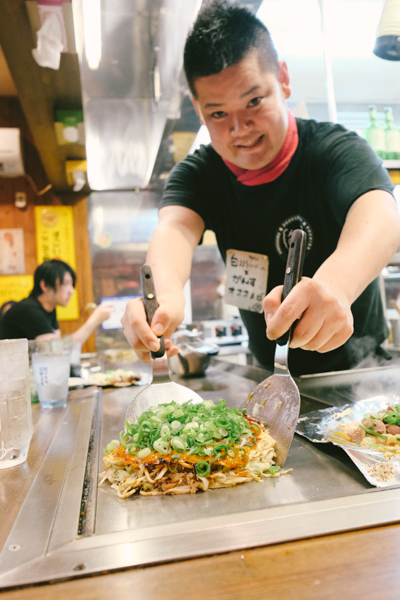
(240, 124)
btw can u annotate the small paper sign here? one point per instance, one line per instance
(246, 279)
(12, 256)
(15, 287)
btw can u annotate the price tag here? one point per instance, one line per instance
(246, 279)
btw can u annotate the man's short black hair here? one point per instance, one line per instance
(49, 272)
(222, 36)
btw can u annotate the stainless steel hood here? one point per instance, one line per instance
(130, 54)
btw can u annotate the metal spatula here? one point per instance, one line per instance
(162, 389)
(276, 400)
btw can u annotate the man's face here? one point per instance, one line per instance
(244, 110)
(64, 290)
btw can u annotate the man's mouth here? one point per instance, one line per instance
(250, 143)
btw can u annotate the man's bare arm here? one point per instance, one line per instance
(170, 257)
(370, 237)
(98, 316)
(49, 336)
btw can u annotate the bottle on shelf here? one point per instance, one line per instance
(375, 134)
(392, 136)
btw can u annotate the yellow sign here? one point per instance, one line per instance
(15, 287)
(55, 239)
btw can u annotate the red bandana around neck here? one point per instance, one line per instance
(276, 167)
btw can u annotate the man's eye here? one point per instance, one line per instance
(255, 101)
(219, 114)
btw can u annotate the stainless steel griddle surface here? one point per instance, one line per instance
(86, 529)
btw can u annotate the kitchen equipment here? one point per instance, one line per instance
(225, 332)
(184, 334)
(276, 400)
(161, 390)
(193, 358)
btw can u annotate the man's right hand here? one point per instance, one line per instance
(144, 338)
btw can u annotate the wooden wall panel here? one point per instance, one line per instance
(84, 284)
(11, 115)
(41, 90)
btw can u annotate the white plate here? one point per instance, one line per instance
(74, 382)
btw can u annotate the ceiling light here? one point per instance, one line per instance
(92, 29)
(387, 44)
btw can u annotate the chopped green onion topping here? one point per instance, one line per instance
(217, 449)
(370, 431)
(203, 468)
(143, 453)
(391, 418)
(274, 469)
(111, 446)
(178, 444)
(203, 429)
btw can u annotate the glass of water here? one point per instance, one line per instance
(15, 403)
(51, 371)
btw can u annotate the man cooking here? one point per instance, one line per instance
(265, 174)
(35, 318)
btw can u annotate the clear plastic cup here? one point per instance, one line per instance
(15, 403)
(51, 373)
(75, 355)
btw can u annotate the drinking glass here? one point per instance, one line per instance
(15, 403)
(51, 371)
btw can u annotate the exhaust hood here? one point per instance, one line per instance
(131, 55)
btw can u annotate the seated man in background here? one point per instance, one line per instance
(35, 318)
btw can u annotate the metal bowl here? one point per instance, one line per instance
(192, 359)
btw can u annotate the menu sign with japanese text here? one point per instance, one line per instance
(15, 287)
(55, 239)
(246, 279)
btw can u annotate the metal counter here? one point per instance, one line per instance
(68, 527)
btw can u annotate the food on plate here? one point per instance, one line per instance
(378, 431)
(117, 378)
(182, 448)
(120, 355)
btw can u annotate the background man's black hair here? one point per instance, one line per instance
(49, 272)
(223, 34)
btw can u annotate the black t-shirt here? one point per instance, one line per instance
(28, 319)
(330, 169)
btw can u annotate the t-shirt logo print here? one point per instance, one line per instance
(284, 233)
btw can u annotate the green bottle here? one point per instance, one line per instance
(374, 133)
(392, 136)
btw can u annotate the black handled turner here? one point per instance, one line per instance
(162, 390)
(276, 400)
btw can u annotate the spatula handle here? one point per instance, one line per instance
(150, 303)
(293, 272)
